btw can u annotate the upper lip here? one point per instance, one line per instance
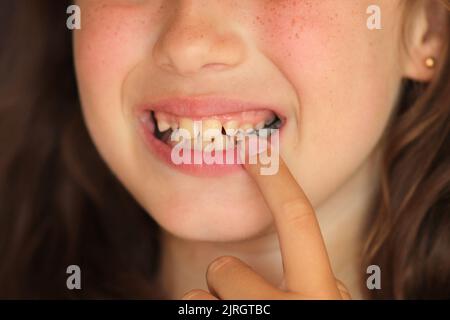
(198, 107)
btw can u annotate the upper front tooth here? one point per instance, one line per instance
(163, 125)
(191, 126)
(211, 128)
(247, 127)
(231, 127)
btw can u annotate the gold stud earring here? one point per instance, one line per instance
(430, 62)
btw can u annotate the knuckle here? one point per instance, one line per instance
(221, 262)
(297, 213)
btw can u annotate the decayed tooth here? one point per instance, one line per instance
(219, 144)
(231, 127)
(163, 125)
(211, 128)
(191, 126)
(260, 125)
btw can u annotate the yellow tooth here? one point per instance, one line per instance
(247, 127)
(163, 126)
(231, 127)
(218, 144)
(191, 126)
(211, 128)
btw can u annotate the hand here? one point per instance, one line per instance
(307, 269)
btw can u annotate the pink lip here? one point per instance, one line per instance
(194, 108)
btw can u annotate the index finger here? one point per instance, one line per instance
(306, 264)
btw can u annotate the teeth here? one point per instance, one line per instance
(247, 128)
(207, 134)
(163, 126)
(191, 126)
(211, 128)
(179, 136)
(231, 127)
(220, 143)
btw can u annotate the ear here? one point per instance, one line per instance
(425, 40)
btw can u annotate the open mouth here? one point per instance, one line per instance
(200, 135)
(217, 132)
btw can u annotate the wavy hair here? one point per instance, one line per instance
(60, 205)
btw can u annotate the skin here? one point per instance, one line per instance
(337, 83)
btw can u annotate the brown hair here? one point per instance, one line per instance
(408, 230)
(60, 205)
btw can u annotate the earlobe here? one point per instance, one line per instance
(426, 40)
(421, 62)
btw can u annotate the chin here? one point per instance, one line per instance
(214, 216)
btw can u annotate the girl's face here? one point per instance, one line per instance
(314, 63)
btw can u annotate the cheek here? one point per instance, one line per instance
(318, 39)
(108, 45)
(341, 71)
(346, 78)
(113, 39)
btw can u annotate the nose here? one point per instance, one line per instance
(196, 39)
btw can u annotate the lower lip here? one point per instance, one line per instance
(164, 152)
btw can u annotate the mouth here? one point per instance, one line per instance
(163, 122)
(227, 127)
